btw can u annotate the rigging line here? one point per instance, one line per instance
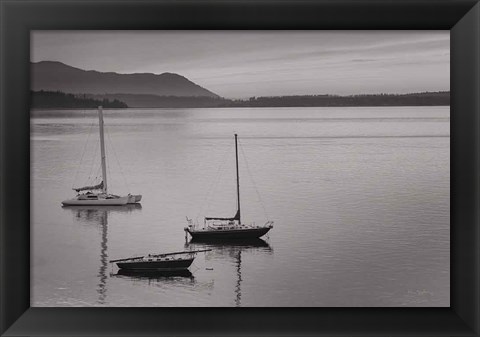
(213, 185)
(93, 161)
(83, 153)
(99, 169)
(116, 158)
(93, 180)
(107, 163)
(253, 181)
(219, 174)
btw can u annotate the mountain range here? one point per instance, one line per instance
(55, 84)
(57, 76)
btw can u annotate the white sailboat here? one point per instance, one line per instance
(97, 195)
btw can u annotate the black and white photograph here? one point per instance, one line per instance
(241, 168)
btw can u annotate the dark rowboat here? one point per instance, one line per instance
(154, 274)
(159, 262)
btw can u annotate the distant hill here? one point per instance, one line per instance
(55, 99)
(57, 76)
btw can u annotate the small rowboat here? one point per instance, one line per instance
(159, 262)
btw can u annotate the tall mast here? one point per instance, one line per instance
(238, 180)
(102, 149)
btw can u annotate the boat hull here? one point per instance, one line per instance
(98, 202)
(155, 274)
(169, 265)
(215, 235)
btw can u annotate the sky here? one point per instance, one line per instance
(242, 64)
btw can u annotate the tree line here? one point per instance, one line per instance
(414, 99)
(57, 99)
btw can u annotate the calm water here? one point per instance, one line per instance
(360, 198)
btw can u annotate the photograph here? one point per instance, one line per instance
(240, 168)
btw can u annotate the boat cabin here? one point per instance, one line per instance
(87, 196)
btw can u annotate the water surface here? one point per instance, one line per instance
(360, 198)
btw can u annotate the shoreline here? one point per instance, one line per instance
(240, 107)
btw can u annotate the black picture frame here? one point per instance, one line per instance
(19, 17)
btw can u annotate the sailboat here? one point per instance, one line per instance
(159, 262)
(97, 195)
(216, 228)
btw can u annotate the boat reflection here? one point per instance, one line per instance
(233, 249)
(98, 215)
(238, 243)
(177, 278)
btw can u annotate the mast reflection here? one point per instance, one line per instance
(238, 289)
(233, 249)
(98, 215)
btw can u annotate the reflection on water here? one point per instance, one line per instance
(168, 278)
(95, 214)
(360, 198)
(233, 250)
(222, 248)
(173, 276)
(98, 216)
(238, 290)
(102, 290)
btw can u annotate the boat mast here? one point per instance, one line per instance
(102, 149)
(238, 180)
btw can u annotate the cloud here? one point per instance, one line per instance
(255, 63)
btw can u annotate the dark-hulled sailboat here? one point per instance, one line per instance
(223, 229)
(159, 262)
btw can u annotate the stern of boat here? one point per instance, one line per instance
(133, 199)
